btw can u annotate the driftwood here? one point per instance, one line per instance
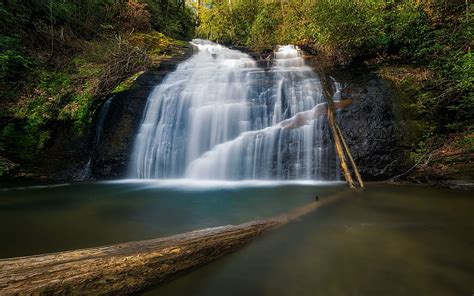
(131, 267)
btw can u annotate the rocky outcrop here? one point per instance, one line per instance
(372, 124)
(103, 150)
(111, 154)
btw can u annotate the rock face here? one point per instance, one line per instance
(97, 153)
(111, 155)
(371, 124)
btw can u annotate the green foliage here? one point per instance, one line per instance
(263, 32)
(58, 58)
(228, 24)
(82, 18)
(216, 24)
(14, 65)
(348, 28)
(171, 19)
(13, 61)
(345, 28)
(15, 140)
(432, 34)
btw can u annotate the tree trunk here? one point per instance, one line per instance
(338, 148)
(349, 154)
(340, 144)
(131, 267)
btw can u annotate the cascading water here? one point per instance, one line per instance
(220, 116)
(104, 110)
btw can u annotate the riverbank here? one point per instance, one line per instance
(444, 158)
(449, 165)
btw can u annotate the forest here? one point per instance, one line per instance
(64, 57)
(236, 147)
(59, 59)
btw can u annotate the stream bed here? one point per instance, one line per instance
(385, 240)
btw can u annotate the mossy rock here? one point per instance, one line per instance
(157, 45)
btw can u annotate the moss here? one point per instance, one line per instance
(67, 95)
(466, 143)
(58, 96)
(157, 45)
(414, 104)
(78, 109)
(127, 83)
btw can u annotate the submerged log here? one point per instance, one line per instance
(134, 266)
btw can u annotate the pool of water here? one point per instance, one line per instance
(48, 218)
(384, 240)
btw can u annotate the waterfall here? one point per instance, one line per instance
(104, 110)
(220, 116)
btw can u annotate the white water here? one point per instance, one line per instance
(219, 116)
(206, 185)
(104, 110)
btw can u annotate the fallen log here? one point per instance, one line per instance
(134, 266)
(351, 159)
(338, 148)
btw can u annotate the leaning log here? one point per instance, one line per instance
(341, 147)
(351, 159)
(134, 266)
(338, 147)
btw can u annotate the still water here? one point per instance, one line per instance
(41, 219)
(385, 240)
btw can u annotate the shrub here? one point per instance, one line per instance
(228, 24)
(171, 19)
(263, 33)
(14, 63)
(134, 17)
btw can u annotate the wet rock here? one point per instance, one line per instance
(371, 124)
(112, 154)
(69, 156)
